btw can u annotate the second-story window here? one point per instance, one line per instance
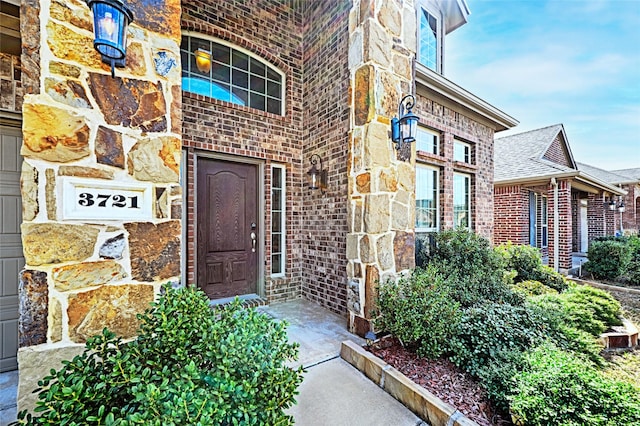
(427, 141)
(461, 152)
(215, 69)
(428, 40)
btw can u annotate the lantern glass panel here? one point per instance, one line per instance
(110, 30)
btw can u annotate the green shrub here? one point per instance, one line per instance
(586, 308)
(558, 388)
(552, 315)
(419, 311)
(189, 365)
(527, 262)
(608, 259)
(524, 259)
(490, 341)
(532, 288)
(474, 272)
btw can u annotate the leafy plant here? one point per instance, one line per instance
(527, 262)
(608, 259)
(532, 288)
(555, 387)
(471, 268)
(420, 311)
(189, 365)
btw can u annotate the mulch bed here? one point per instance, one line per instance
(443, 379)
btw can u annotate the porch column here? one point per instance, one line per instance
(564, 226)
(596, 216)
(381, 199)
(100, 180)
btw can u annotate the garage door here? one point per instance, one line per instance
(11, 259)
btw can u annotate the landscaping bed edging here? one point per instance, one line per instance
(416, 398)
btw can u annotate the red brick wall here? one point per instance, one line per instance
(631, 215)
(326, 127)
(454, 125)
(565, 225)
(273, 32)
(511, 214)
(557, 153)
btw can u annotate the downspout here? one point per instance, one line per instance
(556, 225)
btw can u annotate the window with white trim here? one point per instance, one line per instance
(230, 74)
(461, 201)
(427, 193)
(278, 255)
(461, 152)
(544, 223)
(429, 40)
(427, 140)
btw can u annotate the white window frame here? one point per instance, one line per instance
(544, 221)
(436, 199)
(283, 78)
(422, 137)
(421, 7)
(282, 210)
(469, 208)
(466, 156)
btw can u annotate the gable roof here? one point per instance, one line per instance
(521, 156)
(633, 174)
(614, 177)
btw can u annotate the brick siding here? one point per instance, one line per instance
(557, 153)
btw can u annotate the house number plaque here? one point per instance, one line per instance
(87, 199)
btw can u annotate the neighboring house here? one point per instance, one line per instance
(543, 199)
(627, 207)
(212, 126)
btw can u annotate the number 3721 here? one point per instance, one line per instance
(87, 199)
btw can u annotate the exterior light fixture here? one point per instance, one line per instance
(612, 205)
(621, 206)
(317, 178)
(405, 126)
(203, 60)
(110, 20)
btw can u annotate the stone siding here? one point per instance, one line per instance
(79, 122)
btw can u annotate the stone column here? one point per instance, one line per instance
(381, 209)
(82, 126)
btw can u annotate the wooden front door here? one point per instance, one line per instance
(227, 220)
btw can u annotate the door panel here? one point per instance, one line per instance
(11, 257)
(227, 217)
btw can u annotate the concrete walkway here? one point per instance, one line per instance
(333, 393)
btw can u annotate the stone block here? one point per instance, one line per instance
(409, 27)
(29, 191)
(87, 172)
(366, 250)
(377, 212)
(377, 44)
(163, 18)
(378, 147)
(109, 147)
(35, 363)
(387, 180)
(55, 321)
(404, 250)
(46, 243)
(363, 183)
(352, 246)
(130, 103)
(68, 92)
(371, 282)
(33, 293)
(78, 16)
(355, 49)
(176, 109)
(64, 70)
(156, 160)
(50, 194)
(390, 17)
(388, 92)
(364, 98)
(112, 306)
(113, 248)
(87, 274)
(401, 216)
(154, 250)
(73, 46)
(53, 134)
(384, 250)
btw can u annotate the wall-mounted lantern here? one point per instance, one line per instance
(612, 205)
(317, 178)
(110, 21)
(621, 206)
(405, 126)
(203, 60)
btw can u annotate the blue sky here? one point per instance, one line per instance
(575, 62)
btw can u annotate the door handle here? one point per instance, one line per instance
(253, 242)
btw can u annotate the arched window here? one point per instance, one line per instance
(218, 70)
